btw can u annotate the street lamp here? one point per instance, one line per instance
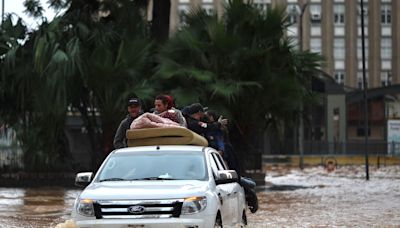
(365, 92)
(300, 10)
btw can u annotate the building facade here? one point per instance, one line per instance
(333, 28)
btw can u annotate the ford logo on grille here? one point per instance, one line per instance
(136, 209)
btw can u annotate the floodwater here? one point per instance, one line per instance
(35, 207)
(291, 198)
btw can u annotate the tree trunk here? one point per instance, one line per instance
(160, 22)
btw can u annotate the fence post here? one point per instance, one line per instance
(378, 162)
(393, 148)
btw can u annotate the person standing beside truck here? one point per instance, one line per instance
(134, 111)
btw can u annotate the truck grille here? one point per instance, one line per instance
(138, 209)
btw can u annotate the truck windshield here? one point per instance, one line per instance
(154, 166)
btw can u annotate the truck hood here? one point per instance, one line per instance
(141, 190)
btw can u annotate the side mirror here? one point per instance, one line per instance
(226, 176)
(83, 179)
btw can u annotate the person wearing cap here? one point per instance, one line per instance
(195, 114)
(164, 106)
(134, 111)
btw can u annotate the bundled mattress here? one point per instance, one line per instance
(164, 136)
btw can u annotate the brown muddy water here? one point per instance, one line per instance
(292, 199)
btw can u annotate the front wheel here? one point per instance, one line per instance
(218, 221)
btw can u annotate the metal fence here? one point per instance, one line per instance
(350, 148)
(11, 157)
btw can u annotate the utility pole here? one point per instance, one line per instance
(2, 11)
(365, 84)
(301, 123)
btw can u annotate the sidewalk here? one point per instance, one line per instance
(338, 160)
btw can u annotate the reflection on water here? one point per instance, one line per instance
(35, 207)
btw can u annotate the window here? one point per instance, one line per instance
(292, 31)
(339, 77)
(339, 48)
(183, 10)
(365, 9)
(315, 13)
(221, 161)
(261, 4)
(386, 78)
(386, 14)
(386, 30)
(339, 64)
(386, 64)
(365, 16)
(360, 64)
(359, 48)
(218, 161)
(208, 8)
(361, 130)
(292, 13)
(292, 19)
(153, 164)
(315, 30)
(295, 42)
(386, 48)
(360, 79)
(338, 14)
(315, 45)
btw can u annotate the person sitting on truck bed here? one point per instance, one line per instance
(195, 114)
(164, 107)
(134, 110)
(215, 137)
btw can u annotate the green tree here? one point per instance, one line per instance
(241, 64)
(109, 55)
(24, 95)
(91, 58)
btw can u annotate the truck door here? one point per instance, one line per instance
(228, 193)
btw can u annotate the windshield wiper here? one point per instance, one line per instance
(113, 179)
(154, 178)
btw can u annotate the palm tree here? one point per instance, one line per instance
(24, 95)
(91, 58)
(242, 65)
(108, 53)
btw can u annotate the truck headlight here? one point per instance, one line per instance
(193, 205)
(85, 207)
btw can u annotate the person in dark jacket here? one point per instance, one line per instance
(194, 116)
(134, 110)
(215, 138)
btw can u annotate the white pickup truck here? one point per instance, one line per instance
(161, 186)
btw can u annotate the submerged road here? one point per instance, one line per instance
(291, 199)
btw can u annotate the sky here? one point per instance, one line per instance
(17, 7)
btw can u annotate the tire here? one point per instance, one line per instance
(218, 221)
